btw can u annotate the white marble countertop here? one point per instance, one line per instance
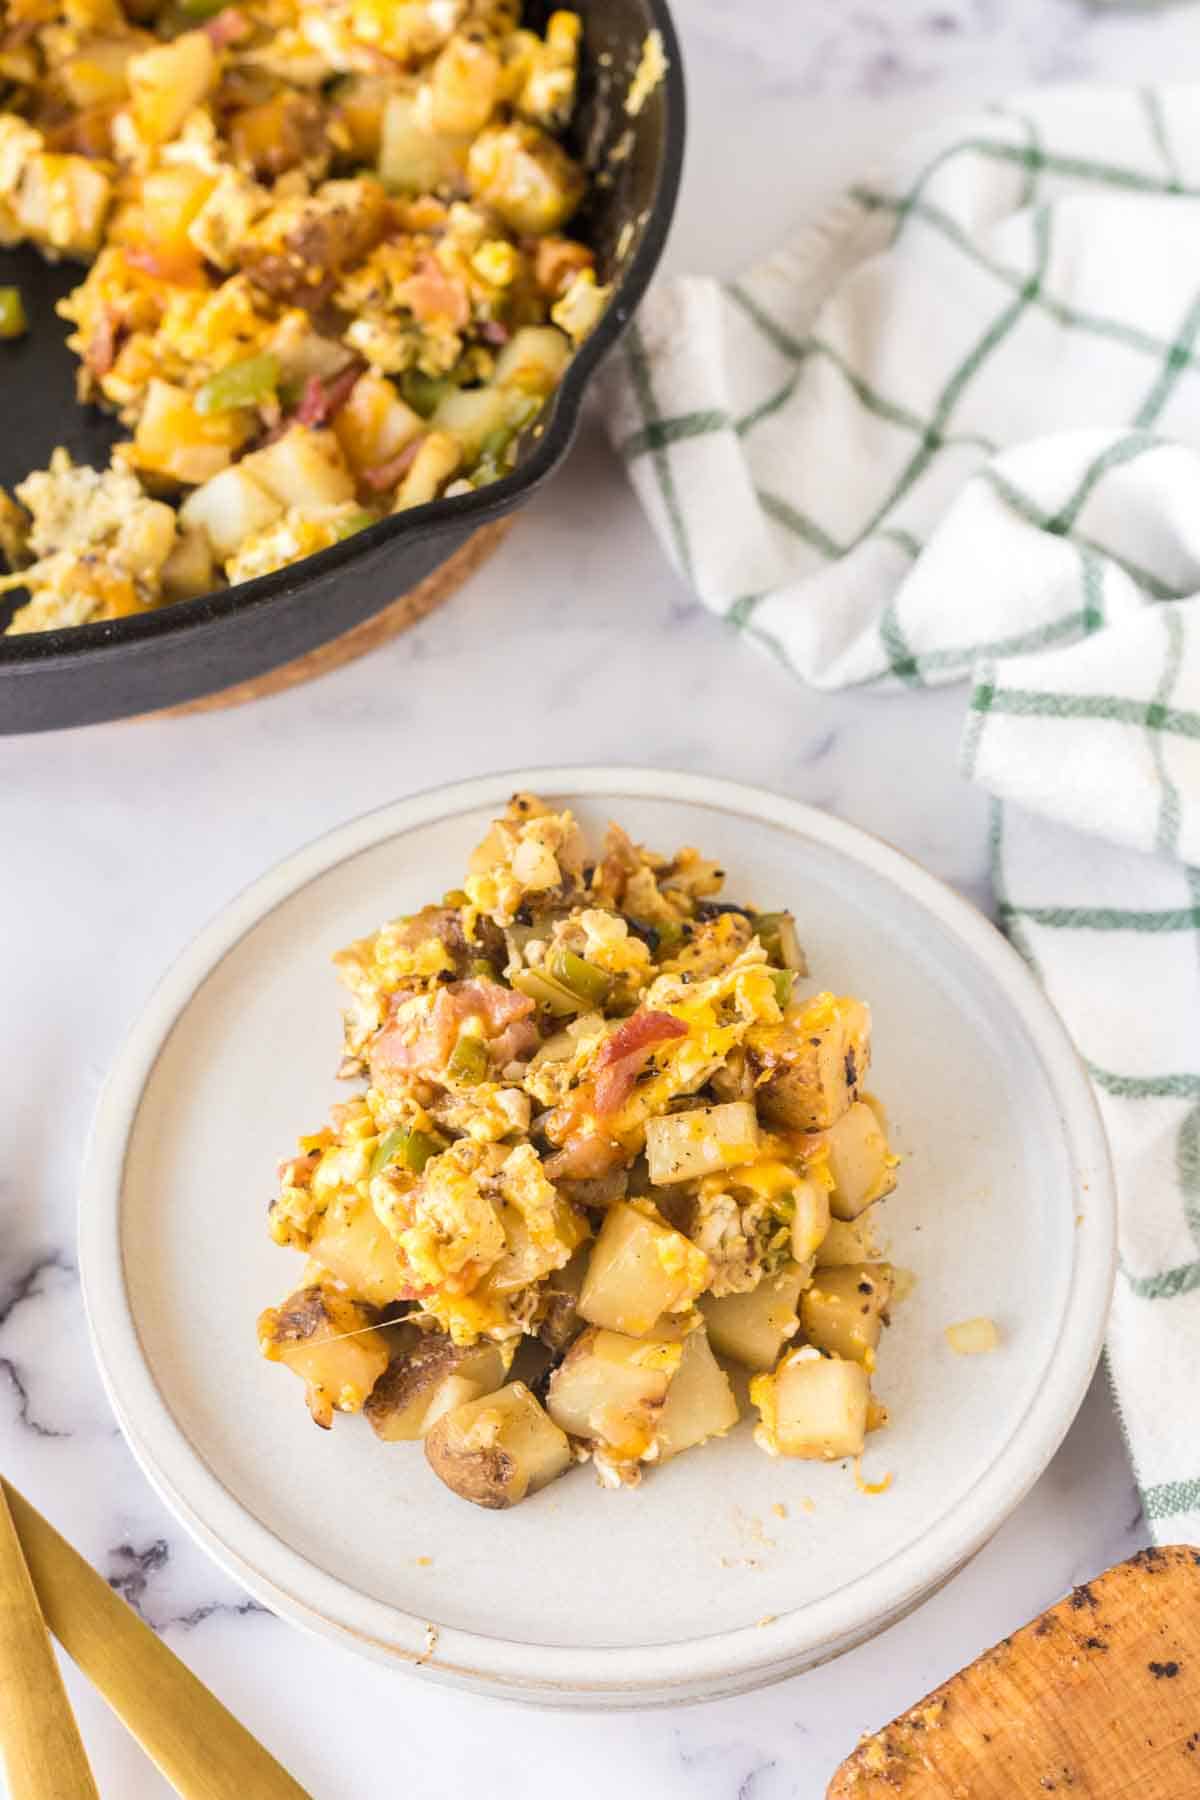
(574, 644)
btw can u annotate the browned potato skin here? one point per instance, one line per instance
(420, 1367)
(559, 1323)
(268, 139)
(489, 1475)
(310, 1317)
(815, 1077)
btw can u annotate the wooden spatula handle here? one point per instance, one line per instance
(44, 1757)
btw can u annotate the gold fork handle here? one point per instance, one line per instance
(44, 1756)
(200, 1747)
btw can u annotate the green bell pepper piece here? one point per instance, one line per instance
(243, 383)
(13, 323)
(410, 1149)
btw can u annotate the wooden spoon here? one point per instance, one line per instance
(43, 1751)
(1099, 1699)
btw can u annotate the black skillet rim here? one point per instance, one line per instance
(72, 644)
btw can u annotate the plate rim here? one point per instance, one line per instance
(687, 1668)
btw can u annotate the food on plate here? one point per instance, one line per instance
(607, 1146)
(331, 273)
(973, 1337)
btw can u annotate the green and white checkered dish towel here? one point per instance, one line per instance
(952, 433)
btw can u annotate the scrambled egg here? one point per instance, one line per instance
(594, 1111)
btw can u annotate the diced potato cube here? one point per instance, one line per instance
(412, 158)
(754, 1328)
(95, 74)
(497, 1450)
(310, 1334)
(533, 359)
(463, 85)
(810, 1221)
(862, 1166)
(435, 462)
(374, 424)
(429, 1376)
(682, 1146)
(188, 571)
(525, 176)
(817, 1056)
(171, 198)
(304, 468)
(700, 1403)
(609, 1390)
(405, 30)
(62, 203)
(360, 1252)
(471, 415)
(168, 81)
(175, 440)
(847, 1241)
(219, 226)
(582, 306)
(844, 1309)
(639, 1269)
(229, 508)
(813, 1406)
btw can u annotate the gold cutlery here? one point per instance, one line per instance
(196, 1743)
(43, 1752)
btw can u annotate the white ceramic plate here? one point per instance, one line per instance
(691, 1585)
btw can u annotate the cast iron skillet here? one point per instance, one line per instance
(91, 672)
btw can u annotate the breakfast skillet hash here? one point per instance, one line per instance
(329, 277)
(599, 1129)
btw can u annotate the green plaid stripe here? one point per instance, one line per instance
(1034, 158)
(1178, 1086)
(1044, 704)
(1166, 1286)
(1017, 935)
(1167, 836)
(1028, 509)
(798, 523)
(1125, 450)
(1077, 318)
(1108, 918)
(1152, 371)
(1156, 120)
(639, 370)
(1175, 364)
(659, 434)
(1184, 1278)
(1171, 1498)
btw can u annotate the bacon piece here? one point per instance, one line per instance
(425, 1044)
(229, 26)
(623, 1056)
(556, 262)
(183, 268)
(497, 1006)
(297, 1171)
(322, 399)
(386, 474)
(101, 352)
(494, 331)
(517, 1041)
(432, 295)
